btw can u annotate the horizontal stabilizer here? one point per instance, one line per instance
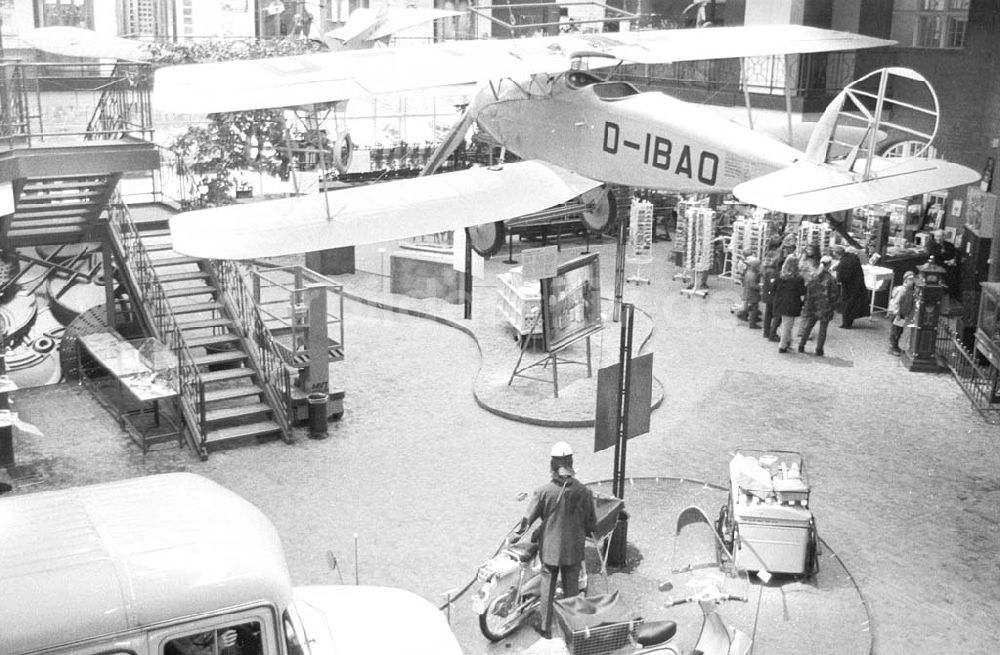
(811, 189)
(375, 212)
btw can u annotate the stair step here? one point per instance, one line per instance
(257, 429)
(182, 277)
(158, 247)
(226, 413)
(53, 221)
(51, 194)
(233, 392)
(181, 292)
(48, 232)
(227, 374)
(220, 358)
(174, 261)
(54, 209)
(211, 340)
(203, 323)
(63, 183)
(192, 307)
(161, 232)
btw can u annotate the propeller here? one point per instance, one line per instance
(456, 136)
(838, 221)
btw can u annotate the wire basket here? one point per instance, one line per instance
(600, 640)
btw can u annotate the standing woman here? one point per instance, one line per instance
(789, 291)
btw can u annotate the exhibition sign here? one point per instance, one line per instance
(571, 302)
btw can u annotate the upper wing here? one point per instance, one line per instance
(375, 212)
(79, 42)
(403, 19)
(815, 188)
(327, 77)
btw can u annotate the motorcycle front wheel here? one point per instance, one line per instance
(501, 617)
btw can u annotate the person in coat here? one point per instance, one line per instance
(566, 509)
(751, 292)
(853, 293)
(901, 306)
(789, 291)
(822, 293)
(771, 320)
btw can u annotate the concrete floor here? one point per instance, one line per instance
(905, 476)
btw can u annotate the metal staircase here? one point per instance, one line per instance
(58, 210)
(234, 386)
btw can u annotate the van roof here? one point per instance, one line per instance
(84, 562)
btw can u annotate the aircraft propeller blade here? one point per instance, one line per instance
(456, 135)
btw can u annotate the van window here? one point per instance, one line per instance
(293, 636)
(238, 639)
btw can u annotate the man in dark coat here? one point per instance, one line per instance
(566, 509)
(853, 293)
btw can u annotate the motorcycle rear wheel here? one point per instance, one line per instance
(497, 621)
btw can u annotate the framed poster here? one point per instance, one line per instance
(571, 302)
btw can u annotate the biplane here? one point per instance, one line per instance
(554, 103)
(366, 27)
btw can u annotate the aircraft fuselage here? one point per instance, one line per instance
(608, 131)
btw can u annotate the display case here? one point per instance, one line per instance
(988, 325)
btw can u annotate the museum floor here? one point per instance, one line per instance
(905, 474)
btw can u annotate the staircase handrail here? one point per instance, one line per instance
(111, 118)
(154, 305)
(267, 354)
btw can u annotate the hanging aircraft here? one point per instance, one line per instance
(366, 27)
(545, 101)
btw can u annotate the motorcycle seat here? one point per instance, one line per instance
(655, 632)
(524, 551)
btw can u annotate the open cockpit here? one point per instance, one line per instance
(605, 90)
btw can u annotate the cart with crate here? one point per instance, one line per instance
(519, 303)
(767, 524)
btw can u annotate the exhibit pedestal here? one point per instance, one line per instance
(335, 261)
(425, 275)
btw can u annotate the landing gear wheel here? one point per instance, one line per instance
(343, 153)
(724, 530)
(487, 239)
(812, 551)
(601, 209)
(496, 622)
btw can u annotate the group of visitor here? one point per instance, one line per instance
(811, 286)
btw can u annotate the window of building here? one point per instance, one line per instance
(930, 23)
(73, 13)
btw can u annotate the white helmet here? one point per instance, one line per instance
(561, 449)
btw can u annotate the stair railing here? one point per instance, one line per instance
(124, 106)
(267, 354)
(155, 306)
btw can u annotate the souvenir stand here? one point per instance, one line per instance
(750, 235)
(640, 232)
(697, 230)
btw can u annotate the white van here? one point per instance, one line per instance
(175, 564)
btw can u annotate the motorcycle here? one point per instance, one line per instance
(510, 593)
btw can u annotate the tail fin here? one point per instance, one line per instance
(867, 103)
(820, 184)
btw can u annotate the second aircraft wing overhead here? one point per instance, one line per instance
(327, 77)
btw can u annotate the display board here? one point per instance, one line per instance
(571, 302)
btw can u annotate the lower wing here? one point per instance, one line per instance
(375, 212)
(811, 188)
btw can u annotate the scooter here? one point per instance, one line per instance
(715, 638)
(511, 590)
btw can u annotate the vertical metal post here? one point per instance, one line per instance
(624, 373)
(6, 431)
(107, 268)
(620, 268)
(468, 278)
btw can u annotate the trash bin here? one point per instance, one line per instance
(616, 545)
(317, 415)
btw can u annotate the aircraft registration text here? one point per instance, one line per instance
(659, 152)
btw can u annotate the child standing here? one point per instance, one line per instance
(901, 306)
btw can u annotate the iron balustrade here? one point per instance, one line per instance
(160, 317)
(28, 92)
(980, 383)
(277, 382)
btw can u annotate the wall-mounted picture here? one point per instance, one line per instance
(571, 302)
